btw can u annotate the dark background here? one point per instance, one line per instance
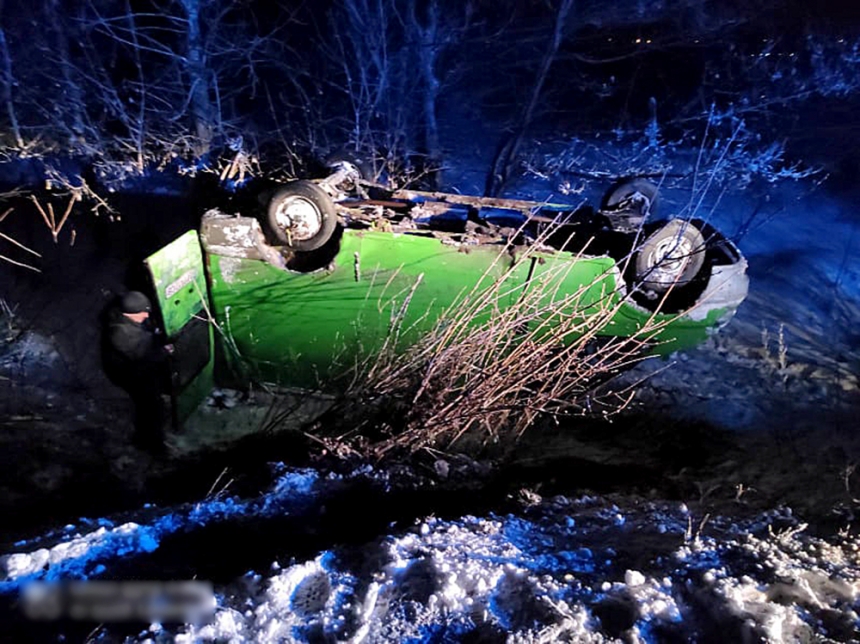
(140, 84)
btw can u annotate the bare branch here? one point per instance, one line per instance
(19, 244)
(22, 265)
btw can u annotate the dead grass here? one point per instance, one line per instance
(9, 329)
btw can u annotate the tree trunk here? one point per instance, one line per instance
(507, 151)
(428, 36)
(8, 82)
(202, 109)
(72, 94)
(136, 124)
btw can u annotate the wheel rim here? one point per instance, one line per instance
(300, 217)
(668, 261)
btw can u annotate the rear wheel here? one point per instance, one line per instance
(361, 164)
(301, 216)
(670, 258)
(638, 195)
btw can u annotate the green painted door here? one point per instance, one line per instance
(180, 287)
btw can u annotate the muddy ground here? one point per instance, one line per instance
(732, 426)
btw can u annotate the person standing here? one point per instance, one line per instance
(137, 360)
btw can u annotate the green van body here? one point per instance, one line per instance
(267, 323)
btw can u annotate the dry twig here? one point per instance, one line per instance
(19, 244)
(50, 219)
(498, 367)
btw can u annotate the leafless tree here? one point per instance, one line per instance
(185, 72)
(389, 54)
(168, 72)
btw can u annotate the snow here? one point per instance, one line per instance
(452, 576)
(82, 555)
(591, 569)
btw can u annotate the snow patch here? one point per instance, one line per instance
(584, 570)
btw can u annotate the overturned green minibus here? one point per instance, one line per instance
(315, 281)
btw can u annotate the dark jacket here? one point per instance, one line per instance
(135, 359)
(132, 352)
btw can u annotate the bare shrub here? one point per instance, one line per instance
(722, 149)
(504, 354)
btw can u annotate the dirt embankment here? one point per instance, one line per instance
(745, 421)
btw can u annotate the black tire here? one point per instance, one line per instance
(671, 257)
(640, 194)
(301, 216)
(362, 163)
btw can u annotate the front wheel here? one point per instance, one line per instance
(671, 257)
(301, 216)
